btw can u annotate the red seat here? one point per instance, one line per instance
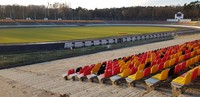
(71, 71)
(195, 73)
(130, 66)
(86, 72)
(177, 60)
(108, 73)
(83, 69)
(133, 70)
(146, 71)
(183, 65)
(160, 66)
(177, 68)
(116, 70)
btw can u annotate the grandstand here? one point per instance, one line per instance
(152, 67)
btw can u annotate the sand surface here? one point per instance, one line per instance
(45, 80)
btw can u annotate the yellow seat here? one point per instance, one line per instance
(183, 80)
(137, 63)
(141, 67)
(138, 75)
(125, 73)
(196, 59)
(162, 76)
(188, 63)
(172, 62)
(198, 51)
(181, 58)
(96, 68)
(154, 69)
(123, 68)
(167, 63)
(192, 54)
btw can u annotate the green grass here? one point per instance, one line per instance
(29, 35)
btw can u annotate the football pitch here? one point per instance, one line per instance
(32, 35)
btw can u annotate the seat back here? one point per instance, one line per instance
(108, 73)
(183, 65)
(187, 78)
(138, 75)
(116, 70)
(154, 69)
(141, 67)
(195, 73)
(166, 64)
(177, 68)
(164, 74)
(146, 71)
(123, 68)
(71, 71)
(126, 72)
(133, 70)
(161, 66)
(181, 58)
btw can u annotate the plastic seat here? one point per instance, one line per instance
(116, 71)
(147, 71)
(199, 71)
(108, 73)
(133, 70)
(172, 62)
(141, 67)
(162, 76)
(161, 66)
(137, 63)
(183, 65)
(183, 80)
(195, 73)
(138, 75)
(71, 71)
(154, 69)
(123, 68)
(188, 63)
(125, 73)
(177, 68)
(181, 58)
(166, 64)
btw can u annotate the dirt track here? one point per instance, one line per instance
(45, 80)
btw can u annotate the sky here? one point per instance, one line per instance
(92, 4)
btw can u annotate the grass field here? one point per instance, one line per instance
(29, 35)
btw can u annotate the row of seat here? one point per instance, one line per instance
(133, 58)
(64, 21)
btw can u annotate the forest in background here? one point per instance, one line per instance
(62, 10)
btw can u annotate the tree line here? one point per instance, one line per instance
(62, 10)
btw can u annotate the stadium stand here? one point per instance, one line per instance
(152, 67)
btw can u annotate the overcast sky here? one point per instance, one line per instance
(91, 4)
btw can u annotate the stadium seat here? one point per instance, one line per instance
(162, 76)
(183, 80)
(107, 73)
(123, 68)
(125, 73)
(133, 70)
(183, 65)
(166, 64)
(138, 75)
(195, 73)
(146, 71)
(116, 70)
(154, 69)
(141, 67)
(181, 58)
(161, 66)
(177, 68)
(71, 71)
